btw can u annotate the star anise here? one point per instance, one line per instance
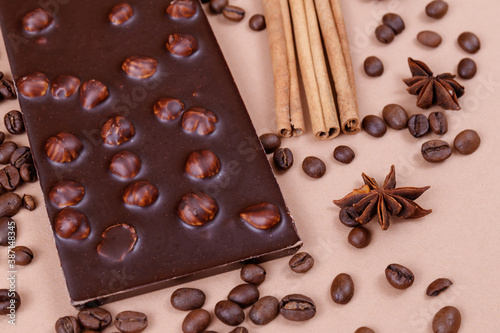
(441, 90)
(371, 200)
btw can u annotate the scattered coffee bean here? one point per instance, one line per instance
(297, 307)
(13, 121)
(187, 299)
(399, 276)
(22, 255)
(239, 330)
(429, 38)
(314, 167)
(196, 321)
(467, 142)
(2, 136)
(6, 149)
(373, 66)
(394, 21)
(94, 318)
(447, 320)
(10, 204)
(343, 154)
(131, 322)
(348, 216)
(257, 22)
(29, 202)
(469, 42)
(244, 295)
(374, 126)
(68, 324)
(301, 262)
(364, 329)
(359, 237)
(233, 13)
(7, 90)
(467, 68)
(7, 298)
(342, 289)
(8, 230)
(418, 125)
(10, 178)
(20, 156)
(435, 151)
(27, 172)
(264, 310)
(253, 273)
(384, 34)
(395, 116)
(438, 123)
(270, 142)
(436, 9)
(229, 313)
(283, 158)
(216, 6)
(438, 286)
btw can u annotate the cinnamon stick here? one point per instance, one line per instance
(346, 100)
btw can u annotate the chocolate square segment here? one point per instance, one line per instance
(152, 172)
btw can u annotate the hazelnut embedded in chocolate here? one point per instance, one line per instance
(37, 20)
(263, 215)
(202, 164)
(66, 193)
(117, 241)
(64, 86)
(140, 67)
(197, 208)
(72, 224)
(181, 44)
(182, 9)
(63, 148)
(92, 93)
(121, 13)
(168, 108)
(33, 85)
(141, 193)
(117, 130)
(199, 120)
(125, 164)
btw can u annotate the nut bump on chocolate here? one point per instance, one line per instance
(125, 164)
(63, 148)
(197, 209)
(92, 93)
(121, 13)
(263, 215)
(181, 44)
(141, 193)
(117, 241)
(33, 85)
(202, 164)
(64, 86)
(37, 20)
(199, 120)
(168, 108)
(71, 223)
(181, 9)
(66, 193)
(140, 67)
(117, 130)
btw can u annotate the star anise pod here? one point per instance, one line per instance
(441, 90)
(371, 200)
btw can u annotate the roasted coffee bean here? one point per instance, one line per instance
(264, 310)
(66, 193)
(14, 122)
(2, 137)
(447, 320)
(10, 178)
(7, 298)
(8, 229)
(117, 241)
(384, 34)
(29, 202)
(399, 276)
(125, 164)
(21, 156)
(469, 42)
(33, 85)
(435, 151)
(233, 13)
(28, 172)
(117, 130)
(196, 321)
(297, 307)
(141, 193)
(92, 93)
(63, 148)
(343, 154)
(257, 22)
(121, 13)
(182, 9)
(467, 142)
(7, 90)
(253, 273)
(374, 126)
(10, 204)
(364, 329)
(418, 125)
(71, 224)
(359, 237)
(181, 44)
(239, 330)
(348, 216)
(314, 167)
(140, 67)
(438, 286)
(244, 295)
(342, 289)
(436, 9)
(216, 6)
(197, 208)
(283, 158)
(467, 68)
(131, 322)
(395, 116)
(270, 142)
(64, 86)
(6, 149)
(94, 318)
(187, 299)
(202, 164)
(438, 123)
(68, 324)
(301, 262)
(429, 38)
(229, 313)
(373, 66)
(394, 21)
(22, 255)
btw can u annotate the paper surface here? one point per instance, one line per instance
(459, 240)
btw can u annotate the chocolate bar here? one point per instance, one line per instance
(151, 170)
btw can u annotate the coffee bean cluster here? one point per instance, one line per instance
(236, 14)
(392, 25)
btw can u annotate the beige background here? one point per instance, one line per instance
(459, 240)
